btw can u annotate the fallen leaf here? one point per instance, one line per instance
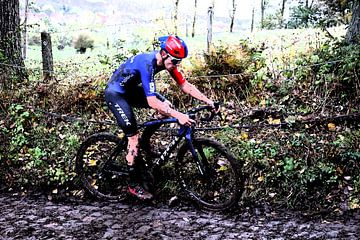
(331, 126)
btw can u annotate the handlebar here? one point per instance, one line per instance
(193, 112)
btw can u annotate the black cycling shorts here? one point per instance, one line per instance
(121, 105)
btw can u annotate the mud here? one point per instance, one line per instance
(39, 218)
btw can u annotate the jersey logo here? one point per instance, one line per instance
(132, 59)
(152, 87)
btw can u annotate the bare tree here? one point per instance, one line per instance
(252, 19)
(263, 4)
(176, 16)
(24, 32)
(11, 61)
(282, 10)
(353, 32)
(193, 25)
(232, 15)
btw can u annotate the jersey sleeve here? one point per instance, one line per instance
(147, 80)
(178, 76)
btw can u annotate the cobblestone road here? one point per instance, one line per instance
(38, 218)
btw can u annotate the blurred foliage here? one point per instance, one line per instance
(320, 14)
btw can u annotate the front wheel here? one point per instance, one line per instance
(101, 166)
(211, 178)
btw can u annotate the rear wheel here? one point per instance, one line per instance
(213, 181)
(101, 166)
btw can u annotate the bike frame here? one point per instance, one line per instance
(183, 132)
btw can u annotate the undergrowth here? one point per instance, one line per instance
(312, 165)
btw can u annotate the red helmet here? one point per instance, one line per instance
(174, 46)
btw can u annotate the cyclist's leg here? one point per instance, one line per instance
(125, 117)
(133, 148)
(119, 106)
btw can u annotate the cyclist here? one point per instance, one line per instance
(133, 85)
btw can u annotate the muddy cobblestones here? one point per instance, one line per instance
(38, 218)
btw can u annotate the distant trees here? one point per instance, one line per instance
(321, 13)
(11, 61)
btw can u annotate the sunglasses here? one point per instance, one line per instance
(174, 60)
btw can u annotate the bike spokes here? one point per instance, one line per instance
(210, 177)
(100, 163)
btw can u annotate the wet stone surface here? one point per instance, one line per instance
(38, 218)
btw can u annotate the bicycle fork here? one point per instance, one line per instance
(200, 164)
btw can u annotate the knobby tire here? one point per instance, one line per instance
(101, 166)
(220, 184)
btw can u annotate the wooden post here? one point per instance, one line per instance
(209, 34)
(47, 57)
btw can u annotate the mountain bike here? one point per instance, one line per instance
(206, 170)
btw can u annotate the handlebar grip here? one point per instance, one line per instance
(192, 112)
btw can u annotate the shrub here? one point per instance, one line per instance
(239, 62)
(83, 42)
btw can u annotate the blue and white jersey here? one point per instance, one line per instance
(139, 71)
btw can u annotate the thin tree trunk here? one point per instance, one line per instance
(24, 33)
(282, 13)
(232, 15)
(176, 16)
(193, 25)
(11, 62)
(262, 13)
(353, 32)
(252, 19)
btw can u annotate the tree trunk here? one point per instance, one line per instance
(353, 32)
(262, 13)
(11, 62)
(193, 25)
(232, 15)
(176, 16)
(282, 10)
(24, 32)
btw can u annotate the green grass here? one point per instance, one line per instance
(282, 46)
